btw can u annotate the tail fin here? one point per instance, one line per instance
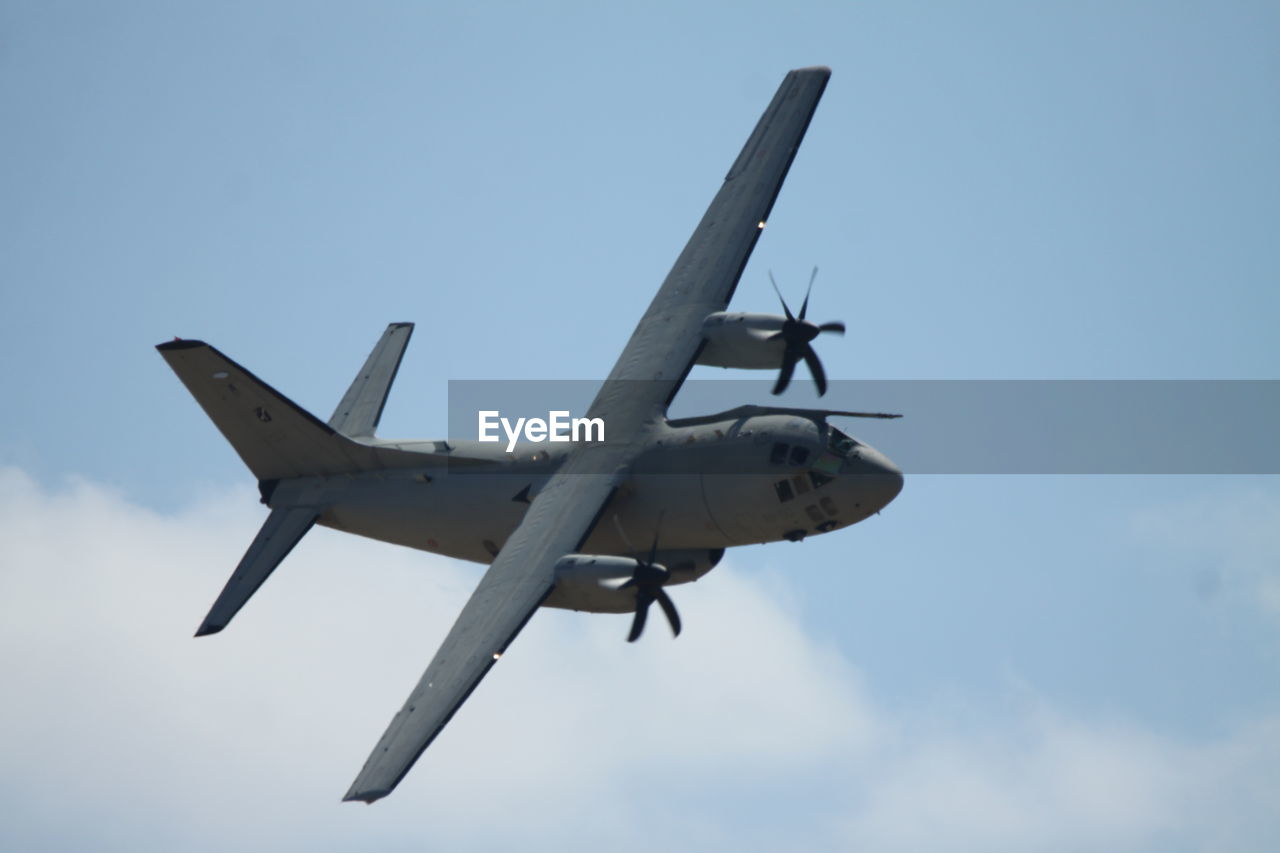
(361, 408)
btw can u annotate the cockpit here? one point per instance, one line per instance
(840, 442)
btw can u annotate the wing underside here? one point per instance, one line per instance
(511, 590)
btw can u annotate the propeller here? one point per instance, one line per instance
(797, 333)
(647, 581)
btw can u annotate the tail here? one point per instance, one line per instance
(278, 439)
(361, 407)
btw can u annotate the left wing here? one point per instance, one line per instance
(632, 400)
(511, 590)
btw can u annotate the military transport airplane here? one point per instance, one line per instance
(600, 526)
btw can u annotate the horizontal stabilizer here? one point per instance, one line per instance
(283, 529)
(361, 408)
(274, 436)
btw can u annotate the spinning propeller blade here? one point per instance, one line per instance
(647, 581)
(798, 333)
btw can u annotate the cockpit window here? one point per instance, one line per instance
(799, 455)
(783, 488)
(778, 456)
(840, 443)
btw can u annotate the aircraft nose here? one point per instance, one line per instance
(881, 478)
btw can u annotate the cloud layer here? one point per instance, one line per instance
(120, 731)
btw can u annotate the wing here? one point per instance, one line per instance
(519, 579)
(646, 377)
(666, 342)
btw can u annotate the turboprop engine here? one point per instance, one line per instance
(610, 584)
(767, 341)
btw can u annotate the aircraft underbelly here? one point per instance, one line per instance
(466, 517)
(668, 506)
(469, 517)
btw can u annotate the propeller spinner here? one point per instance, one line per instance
(798, 333)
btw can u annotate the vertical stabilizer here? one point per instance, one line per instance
(361, 408)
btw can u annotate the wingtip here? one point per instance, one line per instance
(179, 343)
(366, 797)
(206, 629)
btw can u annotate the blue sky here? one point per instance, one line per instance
(994, 190)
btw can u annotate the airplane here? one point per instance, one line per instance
(598, 526)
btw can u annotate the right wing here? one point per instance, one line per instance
(668, 338)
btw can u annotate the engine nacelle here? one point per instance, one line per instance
(592, 581)
(689, 564)
(742, 340)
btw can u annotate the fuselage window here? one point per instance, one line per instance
(799, 455)
(783, 488)
(828, 506)
(801, 484)
(779, 454)
(819, 479)
(814, 513)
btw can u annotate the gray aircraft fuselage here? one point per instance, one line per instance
(699, 488)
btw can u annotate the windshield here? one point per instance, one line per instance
(840, 442)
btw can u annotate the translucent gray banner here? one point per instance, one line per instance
(975, 426)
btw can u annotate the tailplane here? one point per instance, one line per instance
(278, 440)
(276, 437)
(361, 407)
(283, 529)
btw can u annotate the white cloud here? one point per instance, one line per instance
(121, 731)
(1051, 783)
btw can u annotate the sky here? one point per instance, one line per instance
(991, 191)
